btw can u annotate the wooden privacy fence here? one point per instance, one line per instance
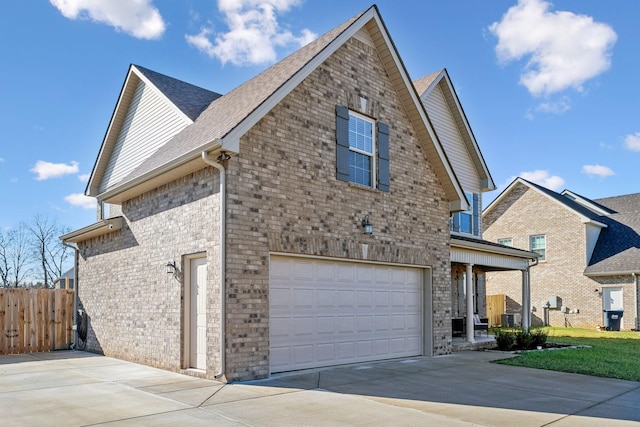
(495, 309)
(33, 320)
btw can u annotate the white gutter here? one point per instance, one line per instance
(223, 244)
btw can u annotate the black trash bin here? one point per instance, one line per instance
(612, 319)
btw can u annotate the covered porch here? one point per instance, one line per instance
(471, 258)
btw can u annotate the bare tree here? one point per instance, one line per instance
(19, 254)
(5, 268)
(48, 251)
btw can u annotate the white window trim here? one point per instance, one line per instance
(510, 239)
(545, 245)
(371, 155)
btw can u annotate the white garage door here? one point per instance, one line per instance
(325, 313)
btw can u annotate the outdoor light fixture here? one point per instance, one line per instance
(368, 227)
(171, 267)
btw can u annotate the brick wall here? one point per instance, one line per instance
(134, 306)
(525, 212)
(284, 197)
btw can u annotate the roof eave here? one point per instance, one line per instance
(112, 195)
(515, 252)
(94, 230)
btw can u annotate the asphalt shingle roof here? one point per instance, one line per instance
(618, 247)
(226, 112)
(190, 99)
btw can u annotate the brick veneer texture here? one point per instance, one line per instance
(282, 197)
(526, 212)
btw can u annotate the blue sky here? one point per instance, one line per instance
(550, 88)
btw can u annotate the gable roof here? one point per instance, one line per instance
(586, 215)
(221, 125)
(441, 78)
(190, 99)
(186, 100)
(618, 248)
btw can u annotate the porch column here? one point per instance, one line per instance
(526, 300)
(470, 329)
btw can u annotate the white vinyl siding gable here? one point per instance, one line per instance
(150, 122)
(453, 144)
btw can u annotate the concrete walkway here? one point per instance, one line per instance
(73, 388)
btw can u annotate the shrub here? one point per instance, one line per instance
(524, 340)
(504, 339)
(539, 336)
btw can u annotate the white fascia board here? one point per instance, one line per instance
(231, 140)
(112, 192)
(97, 229)
(479, 246)
(92, 187)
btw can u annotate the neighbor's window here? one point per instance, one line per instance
(538, 244)
(361, 148)
(506, 242)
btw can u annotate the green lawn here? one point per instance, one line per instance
(612, 354)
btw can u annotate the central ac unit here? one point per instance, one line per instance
(511, 320)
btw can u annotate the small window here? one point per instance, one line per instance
(467, 221)
(538, 244)
(506, 242)
(361, 148)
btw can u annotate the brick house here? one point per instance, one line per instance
(590, 253)
(300, 220)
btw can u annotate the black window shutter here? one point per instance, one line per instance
(456, 222)
(476, 214)
(342, 143)
(383, 156)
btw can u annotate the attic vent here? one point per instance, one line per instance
(363, 104)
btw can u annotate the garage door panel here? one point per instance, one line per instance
(325, 313)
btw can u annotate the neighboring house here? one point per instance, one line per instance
(471, 256)
(66, 280)
(590, 253)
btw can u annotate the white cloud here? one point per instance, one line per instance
(45, 170)
(84, 177)
(138, 18)
(254, 32)
(599, 170)
(632, 142)
(563, 49)
(80, 200)
(543, 178)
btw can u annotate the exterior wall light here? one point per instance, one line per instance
(367, 226)
(171, 267)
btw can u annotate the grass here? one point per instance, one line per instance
(611, 354)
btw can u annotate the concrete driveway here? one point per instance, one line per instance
(72, 388)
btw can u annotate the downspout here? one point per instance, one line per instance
(635, 299)
(75, 293)
(223, 244)
(526, 296)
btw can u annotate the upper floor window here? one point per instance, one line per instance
(362, 149)
(468, 222)
(538, 244)
(506, 242)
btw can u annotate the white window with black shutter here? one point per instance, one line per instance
(362, 150)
